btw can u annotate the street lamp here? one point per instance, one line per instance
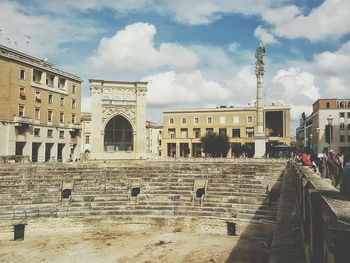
(330, 121)
(311, 148)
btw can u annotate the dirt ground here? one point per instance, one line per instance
(107, 246)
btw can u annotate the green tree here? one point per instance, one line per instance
(216, 145)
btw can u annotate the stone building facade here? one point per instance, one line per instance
(153, 139)
(183, 129)
(118, 120)
(311, 133)
(39, 108)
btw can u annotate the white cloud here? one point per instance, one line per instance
(282, 15)
(328, 21)
(297, 88)
(264, 35)
(86, 104)
(295, 83)
(335, 88)
(133, 48)
(334, 62)
(191, 12)
(233, 47)
(172, 88)
(40, 34)
(243, 85)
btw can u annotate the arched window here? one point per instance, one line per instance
(118, 135)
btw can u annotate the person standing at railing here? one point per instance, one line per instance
(345, 183)
(334, 168)
(305, 159)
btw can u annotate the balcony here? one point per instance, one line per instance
(74, 128)
(18, 120)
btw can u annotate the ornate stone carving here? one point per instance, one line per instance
(129, 111)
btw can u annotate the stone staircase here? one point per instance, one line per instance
(235, 192)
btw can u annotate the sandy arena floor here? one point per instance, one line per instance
(99, 246)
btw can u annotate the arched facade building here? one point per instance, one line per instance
(118, 119)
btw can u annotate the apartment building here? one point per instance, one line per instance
(39, 108)
(85, 132)
(153, 136)
(153, 139)
(183, 129)
(327, 127)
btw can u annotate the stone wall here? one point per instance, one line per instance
(325, 217)
(200, 197)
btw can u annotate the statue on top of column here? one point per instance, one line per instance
(259, 54)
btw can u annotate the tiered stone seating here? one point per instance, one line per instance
(232, 191)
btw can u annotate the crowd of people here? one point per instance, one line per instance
(332, 165)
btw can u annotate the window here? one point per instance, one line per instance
(342, 138)
(37, 96)
(209, 130)
(349, 126)
(62, 101)
(209, 120)
(22, 74)
(183, 120)
(235, 119)
(184, 133)
(348, 138)
(49, 80)
(171, 133)
(49, 133)
(36, 132)
(328, 105)
(250, 132)
(50, 99)
(222, 120)
(223, 131)
(21, 110)
(37, 113)
(74, 90)
(49, 115)
(196, 120)
(74, 103)
(61, 117)
(87, 139)
(236, 133)
(22, 93)
(341, 120)
(61, 134)
(250, 119)
(73, 118)
(171, 120)
(197, 132)
(348, 115)
(61, 83)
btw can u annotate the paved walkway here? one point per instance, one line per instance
(287, 244)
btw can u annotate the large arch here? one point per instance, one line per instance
(118, 135)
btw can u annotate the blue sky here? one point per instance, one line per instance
(193, 53)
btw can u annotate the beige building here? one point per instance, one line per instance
(118, 121)
(39, 108)
(153, 136)
(85, 132)
(334, 113)
(183, 129)
(153, 139)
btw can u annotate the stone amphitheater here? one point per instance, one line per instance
(139, 211)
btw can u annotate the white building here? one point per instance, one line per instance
(118, 129)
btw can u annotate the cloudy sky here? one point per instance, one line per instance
(194, 53)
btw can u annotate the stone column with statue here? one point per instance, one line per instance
(260, 144)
